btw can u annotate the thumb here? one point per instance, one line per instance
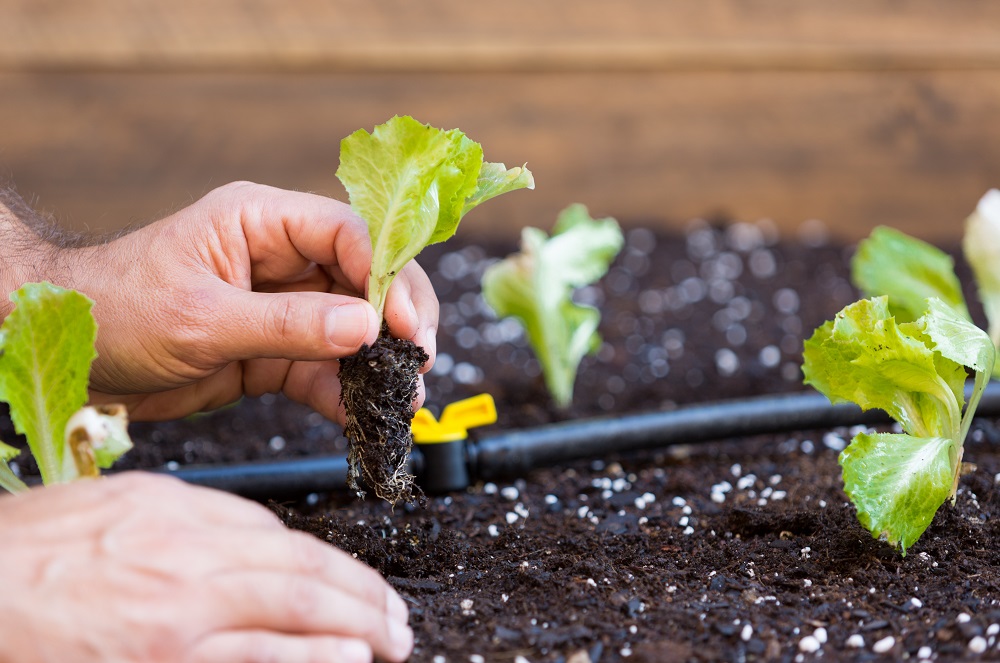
(292, 325)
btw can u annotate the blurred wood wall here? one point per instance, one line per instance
(855, 112)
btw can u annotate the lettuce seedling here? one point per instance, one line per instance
(909, 270)
(46, 349)
(536, 286)
(412, 184)
(916, 372)
(981, 245)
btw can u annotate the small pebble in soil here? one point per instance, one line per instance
(489, 488)
(924, 652)
(884, 645)
(963, 618)
(833, 441)
(977, 645)
(809, 644)
(746, 633)
(856, 641)
(476, 658)
(509, 493)
(493, 530)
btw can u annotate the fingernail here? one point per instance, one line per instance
(355, 651)
(347, 323)
(401, 637)
(396, 608)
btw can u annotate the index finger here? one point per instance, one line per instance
(286, 231)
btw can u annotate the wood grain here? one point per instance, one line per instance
(515, 35)
(910, 149)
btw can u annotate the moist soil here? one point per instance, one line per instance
(733, 550)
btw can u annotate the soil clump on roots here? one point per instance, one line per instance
(378, 386)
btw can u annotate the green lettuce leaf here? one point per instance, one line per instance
(47, 346)
(864, 357)
(897, 483)
(908, 270)
(916, 372)
(8, 480)
(536, 286)
(412, 184)
(494, 179)
(981, 245)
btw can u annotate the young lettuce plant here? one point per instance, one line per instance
(536, 286)
(909, 270)
(46, 349)
(412, 184)
(916, 372)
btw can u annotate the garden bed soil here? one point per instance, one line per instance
(734, 550)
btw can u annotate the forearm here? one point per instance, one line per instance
(32, 248)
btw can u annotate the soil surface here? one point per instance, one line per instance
(735, 550)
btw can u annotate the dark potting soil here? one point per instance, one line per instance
(729, 551)
(378, 387)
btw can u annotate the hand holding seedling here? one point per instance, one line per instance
(145, 568)
(233, 295)
(250, 290)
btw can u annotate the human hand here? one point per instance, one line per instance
(250, 290)
(141, 567)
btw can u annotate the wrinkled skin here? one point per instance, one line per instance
(249, 290)
(144, 568)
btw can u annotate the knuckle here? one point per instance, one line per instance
(288, 318)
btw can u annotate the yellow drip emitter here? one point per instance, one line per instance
(442, 442)
(456, 420)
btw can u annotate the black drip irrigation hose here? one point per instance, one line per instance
(455, 465)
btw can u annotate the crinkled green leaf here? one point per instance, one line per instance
(412, 183)
(537, 284)
(864, 357)
(8, 480)
(8, 453)
(962, 342)
(897, 483)
(956, 338)
(48, 346)
(908, 270)
(982, 250)
(494, 179)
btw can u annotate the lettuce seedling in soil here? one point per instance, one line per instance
(412, 184)
(46, 349)
(916, 372)
(536, 286)
(909, 270)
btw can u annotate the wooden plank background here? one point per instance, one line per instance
(655, 111)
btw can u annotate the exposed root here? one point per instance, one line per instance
(378, 386)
